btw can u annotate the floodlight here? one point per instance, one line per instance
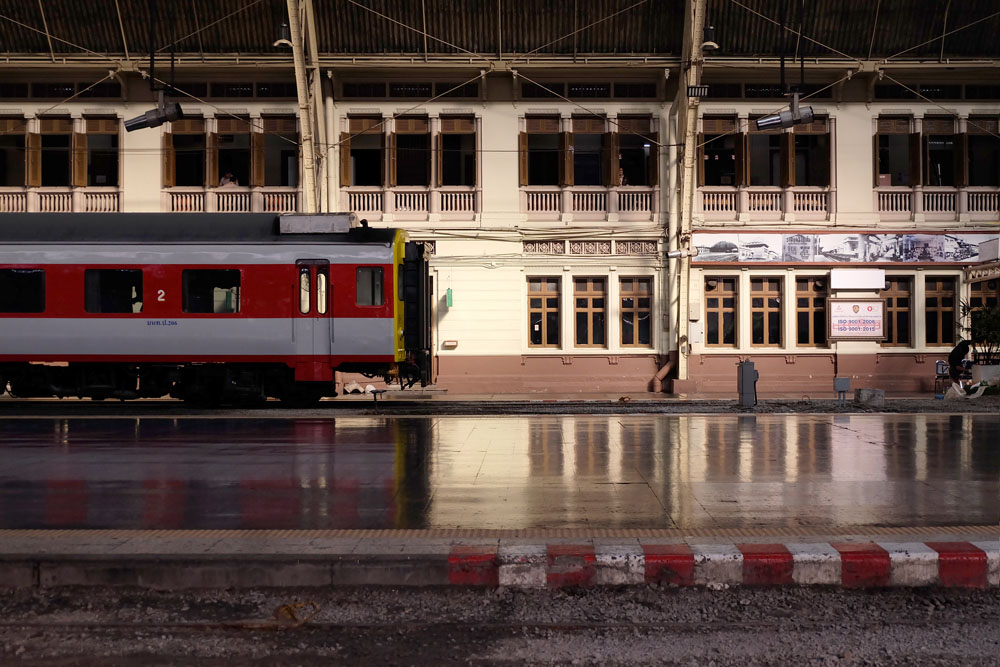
(708, 44)
(682, 252)
(284, 36)
(155, 117)
(794, 116)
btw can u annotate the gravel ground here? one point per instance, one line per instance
(644, 625)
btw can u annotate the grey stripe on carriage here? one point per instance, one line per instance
(213, 336)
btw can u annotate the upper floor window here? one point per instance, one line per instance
(410, 152)
(55, 157)
(362, 151)
(22, 290)
(457, 151)
(638, 152)
(275, 158)
(184, 154)
(99, 147)
(12, 152)
(984, 151)
(941, 152)
(590, 154)
(897, 152)
(242, 152)
(541, 151)
(773, 158)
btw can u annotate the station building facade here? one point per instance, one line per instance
(551, 166)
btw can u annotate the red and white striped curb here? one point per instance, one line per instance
(718, 564)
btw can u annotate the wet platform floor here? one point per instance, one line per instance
(501, 473)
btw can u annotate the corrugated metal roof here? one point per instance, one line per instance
(853, 27)
(345, 28)
(377, 27)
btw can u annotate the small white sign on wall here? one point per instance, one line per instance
(867, 279)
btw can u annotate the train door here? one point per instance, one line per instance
(314, 326)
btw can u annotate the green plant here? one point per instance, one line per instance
(981, 325)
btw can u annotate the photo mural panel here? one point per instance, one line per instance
(834, 248)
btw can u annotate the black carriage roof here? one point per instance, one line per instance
(219, 228)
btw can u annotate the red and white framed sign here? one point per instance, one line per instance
(856, 319)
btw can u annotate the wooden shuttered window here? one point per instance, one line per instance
(522, 158)
(18, 126)
(654, 159)
(787, 160)
(345, 159)
(391, 159)
(712, 129)
(899, 125)
(609, 148)
(257, 158)
(169, 160)
(33, 142)
(212, 157)
(566, 163)
(183, 126)
(78, 176)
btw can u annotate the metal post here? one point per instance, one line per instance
(305, 109)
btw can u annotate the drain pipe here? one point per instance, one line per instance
(662, 374)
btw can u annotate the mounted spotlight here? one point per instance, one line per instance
(682, 252)
(284, 36)
(794, 116)
(709, 44)
(155, 117)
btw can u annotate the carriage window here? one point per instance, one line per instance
(370, 290)
(22, 290)
(322, 281)
(304, 289)
(210, 290)
(113, 290)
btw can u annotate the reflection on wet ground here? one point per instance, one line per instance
(596, 472)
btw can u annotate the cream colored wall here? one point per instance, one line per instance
(142, 164)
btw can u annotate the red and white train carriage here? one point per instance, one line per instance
(207, 307)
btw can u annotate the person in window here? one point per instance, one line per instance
(621, 177)
(228, 180)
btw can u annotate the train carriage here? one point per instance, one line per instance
(207, 307)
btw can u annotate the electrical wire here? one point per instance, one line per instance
(421, 32)
(24, 121)
(942, 36)
(524, 56)
(950, 112)
(213, 23)
(59, 39)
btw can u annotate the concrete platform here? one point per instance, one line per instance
(943, 557)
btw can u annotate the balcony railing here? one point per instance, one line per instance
(933, 203)
(407, 203)
(724, 203)
(595, 203)
(231, 200)
(60, 200)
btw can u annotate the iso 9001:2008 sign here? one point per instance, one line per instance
(856, 319)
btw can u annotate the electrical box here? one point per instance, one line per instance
(746, 384)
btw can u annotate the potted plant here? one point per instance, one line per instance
(982, 327)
